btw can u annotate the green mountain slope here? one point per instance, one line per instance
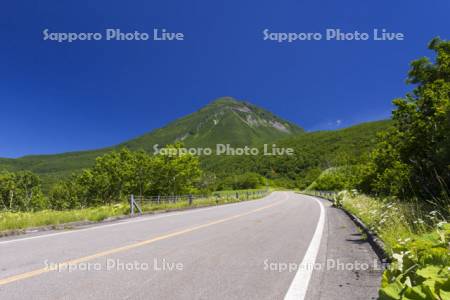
(228, 121)
(225, 121)
(313, 152)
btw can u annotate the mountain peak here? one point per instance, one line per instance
(226, 100)
(223, 121)
(229, 101)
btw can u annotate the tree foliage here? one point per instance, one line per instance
(337, 179)
(21, 191)
(113, 178)
(118, 174)
(413, 158)
(248, 180)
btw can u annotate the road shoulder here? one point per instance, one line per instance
(349, 268)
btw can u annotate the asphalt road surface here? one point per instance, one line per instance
(261, 249)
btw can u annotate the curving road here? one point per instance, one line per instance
(248, 250)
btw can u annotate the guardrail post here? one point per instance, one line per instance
(134, 205)
(190, 200)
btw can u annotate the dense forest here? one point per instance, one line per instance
(313, 153)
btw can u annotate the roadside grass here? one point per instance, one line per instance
(416, 239)
(390, 220)
(10, 221)
(23, 220)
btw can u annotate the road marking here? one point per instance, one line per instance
(299, 285)
(141, 219)
(131, 246)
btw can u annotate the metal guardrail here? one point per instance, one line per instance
(330, 195)
(138, 202)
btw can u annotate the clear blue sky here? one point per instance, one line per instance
(57, 97)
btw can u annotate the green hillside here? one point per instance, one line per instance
(225, 121)
(228, 121)
(313, 152)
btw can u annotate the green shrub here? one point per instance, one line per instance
(337, 179)
(244, 181)
(21, 191)
(420, 269)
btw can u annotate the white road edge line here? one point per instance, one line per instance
(144, 218)
(299, 285)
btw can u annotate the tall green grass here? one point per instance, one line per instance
(391, 220)
(22, 220)
(418, 241)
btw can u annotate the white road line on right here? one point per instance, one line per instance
(299, 285)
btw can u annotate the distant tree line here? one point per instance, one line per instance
(248, 180)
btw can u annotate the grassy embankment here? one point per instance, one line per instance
(23, 220)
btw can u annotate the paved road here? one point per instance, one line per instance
(235, 251)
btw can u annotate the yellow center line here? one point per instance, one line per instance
(128, 247)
